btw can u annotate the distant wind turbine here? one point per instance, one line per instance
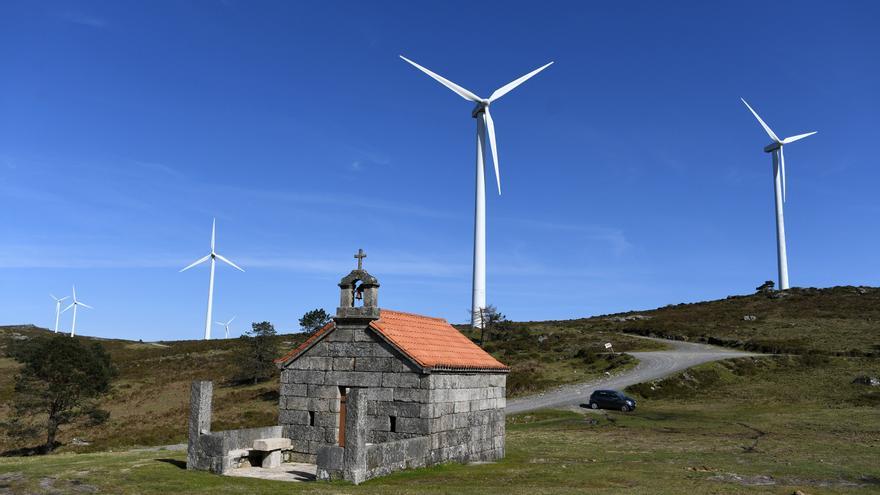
(57, 309)
(225, 325)
(484, 123)
(76, 303)
(775, 148)
(212, 256)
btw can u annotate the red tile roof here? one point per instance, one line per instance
(432, 342)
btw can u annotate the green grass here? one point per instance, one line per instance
(758, 419)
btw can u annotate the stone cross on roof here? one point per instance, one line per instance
(360, 257)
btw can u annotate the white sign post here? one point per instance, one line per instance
(608, 346)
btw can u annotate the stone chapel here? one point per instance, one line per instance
(427, 393)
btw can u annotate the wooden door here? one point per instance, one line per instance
(342, 395)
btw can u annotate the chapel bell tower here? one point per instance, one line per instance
(358, 293)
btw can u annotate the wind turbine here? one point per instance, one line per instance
(76, 303)
(775, 148)
(484, 122)
(213, 256)
(225, 325)
(57, 308)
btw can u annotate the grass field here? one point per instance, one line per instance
(755, 425)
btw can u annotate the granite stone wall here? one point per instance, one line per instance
(352, 357)
(466, 416)
(482, 438)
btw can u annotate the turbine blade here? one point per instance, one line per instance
(53, 297)
(467, 95)
(85, 305)
(230, 320)
(763, 124)
(782, 171)
(74, 293)
(213, 233)
(65, 309)
(490, 125)
(798, 137)
(233, 265)
(219, 323)
(197, 262)
(507, 88)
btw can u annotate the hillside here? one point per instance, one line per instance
(842, 321)
(148, 403)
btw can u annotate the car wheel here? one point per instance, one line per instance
(624, 408)
(594, 405)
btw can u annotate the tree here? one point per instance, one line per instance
(491, 317)
(314, 320)
(60, 380)
(259, 353)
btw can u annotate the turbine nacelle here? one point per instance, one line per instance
(481, 110)
(776, 145)
(480, 107)
(770, 148)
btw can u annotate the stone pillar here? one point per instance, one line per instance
(199, 418)
(355, 459)
(272, 460)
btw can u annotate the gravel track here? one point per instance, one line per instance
(652, 365)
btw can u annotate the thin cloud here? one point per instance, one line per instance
(33, 262)
(615, 238)
(333, 199)
(81, 19)
(404, 267)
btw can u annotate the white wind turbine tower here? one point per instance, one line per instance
(225, 325)
(484, 123)
(775, 148)
(76, 303)
(213, 256)
(57, 309)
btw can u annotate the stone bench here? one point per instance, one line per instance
(270, 449)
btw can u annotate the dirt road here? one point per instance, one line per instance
(652, 365)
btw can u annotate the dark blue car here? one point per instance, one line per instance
(610, 399)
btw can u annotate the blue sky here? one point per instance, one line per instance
(633, 176)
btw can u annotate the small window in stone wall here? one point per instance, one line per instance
(393, 423)
(311, 418)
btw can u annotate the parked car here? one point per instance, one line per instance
(610, 399)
